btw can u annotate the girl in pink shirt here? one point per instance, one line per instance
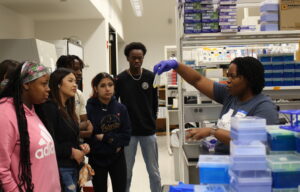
(27, 161)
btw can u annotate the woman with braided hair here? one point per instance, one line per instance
(27, 161)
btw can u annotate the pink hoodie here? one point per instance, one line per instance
(44, 168)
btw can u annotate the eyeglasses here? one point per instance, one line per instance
(232, 76)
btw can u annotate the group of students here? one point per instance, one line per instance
(48, 129)
(41, 129)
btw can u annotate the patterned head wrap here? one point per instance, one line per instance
(32, 71)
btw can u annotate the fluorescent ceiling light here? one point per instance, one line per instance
(137, 6)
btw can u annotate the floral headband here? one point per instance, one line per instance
(32, 71)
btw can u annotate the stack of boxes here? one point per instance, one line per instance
(248, 170)
(280, 69)
(200, 16)
(228, 16)
(192, 16)
(269, 17)
(210, 17)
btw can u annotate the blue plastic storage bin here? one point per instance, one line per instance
(265, 58)
(281, 140)
(248, 137)
(289, 65)
(277, 65)
(278, 58)
(277, 81)
(211, 188)
(289, 57)
(267, 65)
(297, 80)
(181, 187)
(268, 73)
(277, 74)
(213, 169)
(285, 170)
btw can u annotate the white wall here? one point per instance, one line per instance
(152, 29)
(92, 32)
(14, 25)
(112, 12)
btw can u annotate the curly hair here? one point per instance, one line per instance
(134, 45)
(252, 70)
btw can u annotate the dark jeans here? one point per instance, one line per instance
(117, 172)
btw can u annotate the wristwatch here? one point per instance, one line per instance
(213, 131)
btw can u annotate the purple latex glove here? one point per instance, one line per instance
(164, 66)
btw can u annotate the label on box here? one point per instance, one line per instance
(228, 23)
(228, 26)
(227, 10)
(227, 20)
(233, 13)
(227, 16)
(192, 17)
(227, 7)
(229, 30)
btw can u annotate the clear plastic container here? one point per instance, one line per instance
(284, 162)
(255, 148)
(213, 169)
(244, 163)
(248, 123)
(250, 181)
(248, 137)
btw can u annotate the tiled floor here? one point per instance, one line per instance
(140, 180)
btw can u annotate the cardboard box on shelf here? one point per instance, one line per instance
(289, 14)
